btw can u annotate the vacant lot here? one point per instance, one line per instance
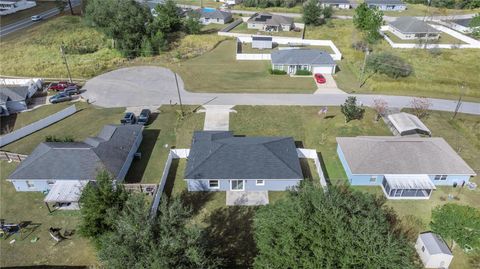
(218, 71)
(435, 75)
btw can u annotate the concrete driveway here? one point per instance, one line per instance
(329, 87)
(133, 87)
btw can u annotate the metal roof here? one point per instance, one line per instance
(262, 38)
(379, 155)
(385, 2)
(14, 93)
(301, 56)
(269, 19)
(65, 191)
(405, 122)
(434, 244)
(220, 155)
(80, 160)
(412, 25)
(409, 182)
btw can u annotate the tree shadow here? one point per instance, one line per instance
(137, 169)
(229, 236)
(7, 123)
(172, 174)
(195, 200)
(307, 173)
(324, 168)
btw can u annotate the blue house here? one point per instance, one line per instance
(52, 163)
(220, 161)
(405, 167)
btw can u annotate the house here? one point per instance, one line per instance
(231, 2)
(270, 22)
(387, 5)
(14, 99)
(461, 25)
(405, 167)
(12, 6)
(262, 42)
(220, 161)
(55, 162)
(340, 4)
(433, 251)
(408, 28)
(291, 60)
(211, 15)
(407, 124)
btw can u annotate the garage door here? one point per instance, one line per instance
(323, 69)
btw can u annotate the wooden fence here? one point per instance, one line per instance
(12, 157)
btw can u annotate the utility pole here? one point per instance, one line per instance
(70, 5)
(425, 20)
(459, 102)
(62, 51)
(179, 96)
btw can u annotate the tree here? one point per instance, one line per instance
(368, 20)
(388, 64)
(380, 106)
(147, 49)
(139, 241)
(351, 110)
(60, 4)
(459, 223)
(168, 19)
(475, 25)
(312, 13)
(99, 204)
(339, 228)
(420, 106)
(192, 25)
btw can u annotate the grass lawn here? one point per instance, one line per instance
(414, 10)
(444, 39)
(27, 13)
(218, 71)
(247, 48)
(243, 29)
(296, 9)
(88, 121)
(16, 207)
(205, 3)
(434, 75)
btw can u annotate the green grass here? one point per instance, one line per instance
(243, 29)
(16, 207)
(218, 71)
(88, 121)
(434, 75)
(444, 39)
(415, 10)
(296, 9)
(247, 48)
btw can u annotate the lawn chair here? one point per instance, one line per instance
(55, 234)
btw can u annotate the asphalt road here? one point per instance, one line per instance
(155, 86)
(27, 22)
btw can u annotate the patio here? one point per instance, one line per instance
(247, 198)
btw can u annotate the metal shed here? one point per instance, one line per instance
(433, 251)
(408, 124)
(262, 42)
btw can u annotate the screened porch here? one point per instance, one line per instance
(407, 186)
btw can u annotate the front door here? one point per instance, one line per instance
(237, 185)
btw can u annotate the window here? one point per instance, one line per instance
(440, 177)
(373, 179)
(260, 182)
(237, 185)
(213, 184)
(423, 248)
(30, 184)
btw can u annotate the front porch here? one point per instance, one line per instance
(407, 186)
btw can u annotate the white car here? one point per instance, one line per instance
(36, 18)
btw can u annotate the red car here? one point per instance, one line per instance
(320, 78)
(60, 86)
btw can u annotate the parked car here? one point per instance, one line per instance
(71, 90)
(129, 118)
(144, 116)
(60, 97)
(320, 79)
(60, 86)
(36, 18)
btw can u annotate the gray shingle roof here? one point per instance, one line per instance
(335, 1)
(434, 244)
(220, 155)
(80, 160)
(213, 13)
(262, 38)
(301, 56)
(463, 22)
(14, 93)
(377, 155)
(384, 2)
(411, 25)
(269, 19)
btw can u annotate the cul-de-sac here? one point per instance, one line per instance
(203, 134)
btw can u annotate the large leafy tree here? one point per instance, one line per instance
(100, 203)
(335, 229)
(312, 13)
(125, 21)
(351, 110)
(475, 24)
(457, 222)
(141, 241)
(168, 19)
(368, 20)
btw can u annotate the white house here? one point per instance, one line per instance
(408, 28)
(211, 15)
(433, 251)
(231, 2)
(291, 60)
(339, 4)
(12, 6)
(270, 22)
(387, 5)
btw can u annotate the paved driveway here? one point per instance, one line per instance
(329, 87)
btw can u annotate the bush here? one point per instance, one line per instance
(52, 138)
(303, 72)
(360, 45)
(351, 110)
(388, 64)
(276, 72)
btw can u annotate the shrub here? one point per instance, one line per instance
(53, 138)
(360, 45)
(276, 72)
(351, 110)
(388, 64)
(303, 72)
